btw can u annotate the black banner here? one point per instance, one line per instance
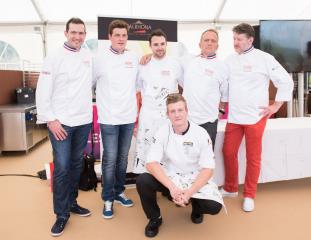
(139, 28)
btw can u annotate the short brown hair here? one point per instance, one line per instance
(157, 32)
(210, 30)
(244, 28)
(174, 98)
(117, 24)
(74, 20)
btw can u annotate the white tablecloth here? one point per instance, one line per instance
(286, 151)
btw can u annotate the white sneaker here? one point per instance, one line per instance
(224, 193)
(248, 204)
(108, 210)
(123, 200)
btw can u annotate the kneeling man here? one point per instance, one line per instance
(181, 161)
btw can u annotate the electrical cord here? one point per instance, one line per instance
(18, 175)
(40, 174)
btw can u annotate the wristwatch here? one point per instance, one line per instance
(221, 110)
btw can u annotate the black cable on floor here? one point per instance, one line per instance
(18, 175)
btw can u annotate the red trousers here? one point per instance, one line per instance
(253, 141)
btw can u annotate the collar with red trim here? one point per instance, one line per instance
(248, 50)
(208, 57)
(115, 51)
(69, 48)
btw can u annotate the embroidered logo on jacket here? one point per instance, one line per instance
(165, 73)
(87, 63)
(129, 64)
(187, 147)
(247, 68)
(190, 144)
(209, 72)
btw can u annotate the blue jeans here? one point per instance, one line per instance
(116, 143)
(68, 162)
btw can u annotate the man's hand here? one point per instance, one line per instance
(176, 194)
(221, 109)
(271, 109)
(186, 196)
(145, 59)
(181, 197)
(58, 131)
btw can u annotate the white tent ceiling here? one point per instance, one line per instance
(18, 12)
(40, 23)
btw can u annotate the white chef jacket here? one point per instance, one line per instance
(186, 153)
(184, 156)
(64, 89)
(115, 75)
(205, 85)
(250, 74)
(156, 80)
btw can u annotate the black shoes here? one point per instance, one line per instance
(196, 218)
(152, 227)
(58, 227)
(82, 212)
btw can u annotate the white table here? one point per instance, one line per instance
(286, 151)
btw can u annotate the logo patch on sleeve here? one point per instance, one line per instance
(275, 68)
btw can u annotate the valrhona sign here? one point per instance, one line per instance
(139, 29)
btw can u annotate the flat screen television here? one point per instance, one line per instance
(289, 41)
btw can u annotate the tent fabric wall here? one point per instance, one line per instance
(28, 42)
(219, 11)
(19, 26)
(25, 40)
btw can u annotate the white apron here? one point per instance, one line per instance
(153, 112)
(185, 180)
(208, 191)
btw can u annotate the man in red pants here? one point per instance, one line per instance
(249, 109)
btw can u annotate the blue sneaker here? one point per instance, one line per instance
(59, 226)
(123, 200)
(108, 210)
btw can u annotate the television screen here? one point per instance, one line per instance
(289, 41)
(256, 42)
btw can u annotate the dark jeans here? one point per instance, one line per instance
(211, 128)
(116, 143)
(68, 162)
(147, 187)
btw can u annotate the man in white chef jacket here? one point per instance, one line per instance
(250, 73)
(160, 77)
(115, 73)
(181, 161)
(64, 102)
(205, 85)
